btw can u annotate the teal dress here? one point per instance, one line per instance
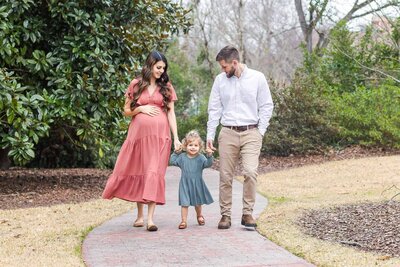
(193, 190)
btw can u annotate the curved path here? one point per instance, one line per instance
(117, 243)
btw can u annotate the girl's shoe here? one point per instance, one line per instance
(200, 220)
(182, 225)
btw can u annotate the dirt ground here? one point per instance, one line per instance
(26, 188)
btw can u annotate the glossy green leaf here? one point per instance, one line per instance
(73, 49)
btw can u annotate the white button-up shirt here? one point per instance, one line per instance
(239, 101)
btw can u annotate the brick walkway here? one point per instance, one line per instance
(117, 243)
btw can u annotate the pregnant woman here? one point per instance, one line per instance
(139, 172)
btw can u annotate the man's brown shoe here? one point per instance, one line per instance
(248, 221)
(225, 222)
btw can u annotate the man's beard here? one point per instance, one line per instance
(231, 73)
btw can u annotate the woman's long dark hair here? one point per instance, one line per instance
(144, 82)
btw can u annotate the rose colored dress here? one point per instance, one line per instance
(139, 172)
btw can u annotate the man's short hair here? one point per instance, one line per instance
(228, 53)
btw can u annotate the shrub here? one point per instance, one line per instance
(301, 122)
(66, 65)
(370, 116)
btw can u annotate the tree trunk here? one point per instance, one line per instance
(206, 38)
(5, 162)
(242, 47)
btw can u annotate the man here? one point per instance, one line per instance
(241, 99)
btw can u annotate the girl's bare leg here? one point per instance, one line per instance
(200, 218)
(184, 215)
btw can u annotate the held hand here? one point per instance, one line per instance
(209, 151)
(178, 151)
(210, 145)
(150, 110)
(177, 145)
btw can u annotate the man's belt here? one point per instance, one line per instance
(242, 128)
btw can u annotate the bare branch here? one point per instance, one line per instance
(393, 197)
(202, 25)
(350, 15)
(350, 243)
(320, 13)
(373, 10)
(366, 67)
(398, 194)
(389, 189)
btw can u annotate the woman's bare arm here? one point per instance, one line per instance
(147, 109)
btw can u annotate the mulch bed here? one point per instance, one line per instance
(26, 188)
(367, 226)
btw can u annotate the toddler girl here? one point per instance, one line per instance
(192, 188)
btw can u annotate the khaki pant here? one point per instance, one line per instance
(233, 144)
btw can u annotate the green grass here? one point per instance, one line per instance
(82, 236)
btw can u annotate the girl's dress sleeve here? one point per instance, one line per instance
(174, 160)
(208, 161)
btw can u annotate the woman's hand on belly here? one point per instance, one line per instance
(150, 110)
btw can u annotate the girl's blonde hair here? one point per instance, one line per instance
(192, 136)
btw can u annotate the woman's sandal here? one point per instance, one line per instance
(200, 220)
(138, 223)
(152, 228)
(182, 225)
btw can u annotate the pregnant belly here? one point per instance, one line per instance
(145, 125)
